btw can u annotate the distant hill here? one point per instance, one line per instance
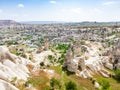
(41, 22)
(86, 23)
(8, 23)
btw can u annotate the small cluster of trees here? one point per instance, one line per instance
(56, 85)
(63, 48)
(52, 59)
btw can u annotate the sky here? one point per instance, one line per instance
(60, 10)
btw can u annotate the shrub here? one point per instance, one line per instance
(93, 80)
(42, 64)
(61, 59)
(14, 79)
(55, 84)
(105, 85)
(52, 59)
(23, 55)
(62, 47)
(117, 75)
(70, 85)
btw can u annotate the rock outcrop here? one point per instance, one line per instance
(40, 49)
(12, 66)
(6, 85)
(46, 45)
(89, 62)
(116, 55)
(69, 63)
(5, 54)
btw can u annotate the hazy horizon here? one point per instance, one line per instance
(60, 10)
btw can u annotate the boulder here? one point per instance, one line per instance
(96, 84)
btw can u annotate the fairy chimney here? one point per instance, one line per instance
(69, 56)
(40, 49)
(46, 45)
(81, 64)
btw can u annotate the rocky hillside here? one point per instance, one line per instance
(15, 71)
(33, 69)
(11, 68)
(86, 60)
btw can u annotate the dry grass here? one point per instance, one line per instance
(81, 82)
(39, 79)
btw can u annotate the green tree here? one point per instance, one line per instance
(63, 48)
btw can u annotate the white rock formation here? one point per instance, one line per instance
(5, 54)
(43, 57)
(85, 74)
(94, 64)
(89, 63)
(6, 86)
(72, 65)
(11, 67)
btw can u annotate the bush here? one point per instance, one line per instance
(62, 47)
(42, 64)
(71, 86)
(52, 59)
(93, 80)
(105, 85)
(117, 75)
(55, 84)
